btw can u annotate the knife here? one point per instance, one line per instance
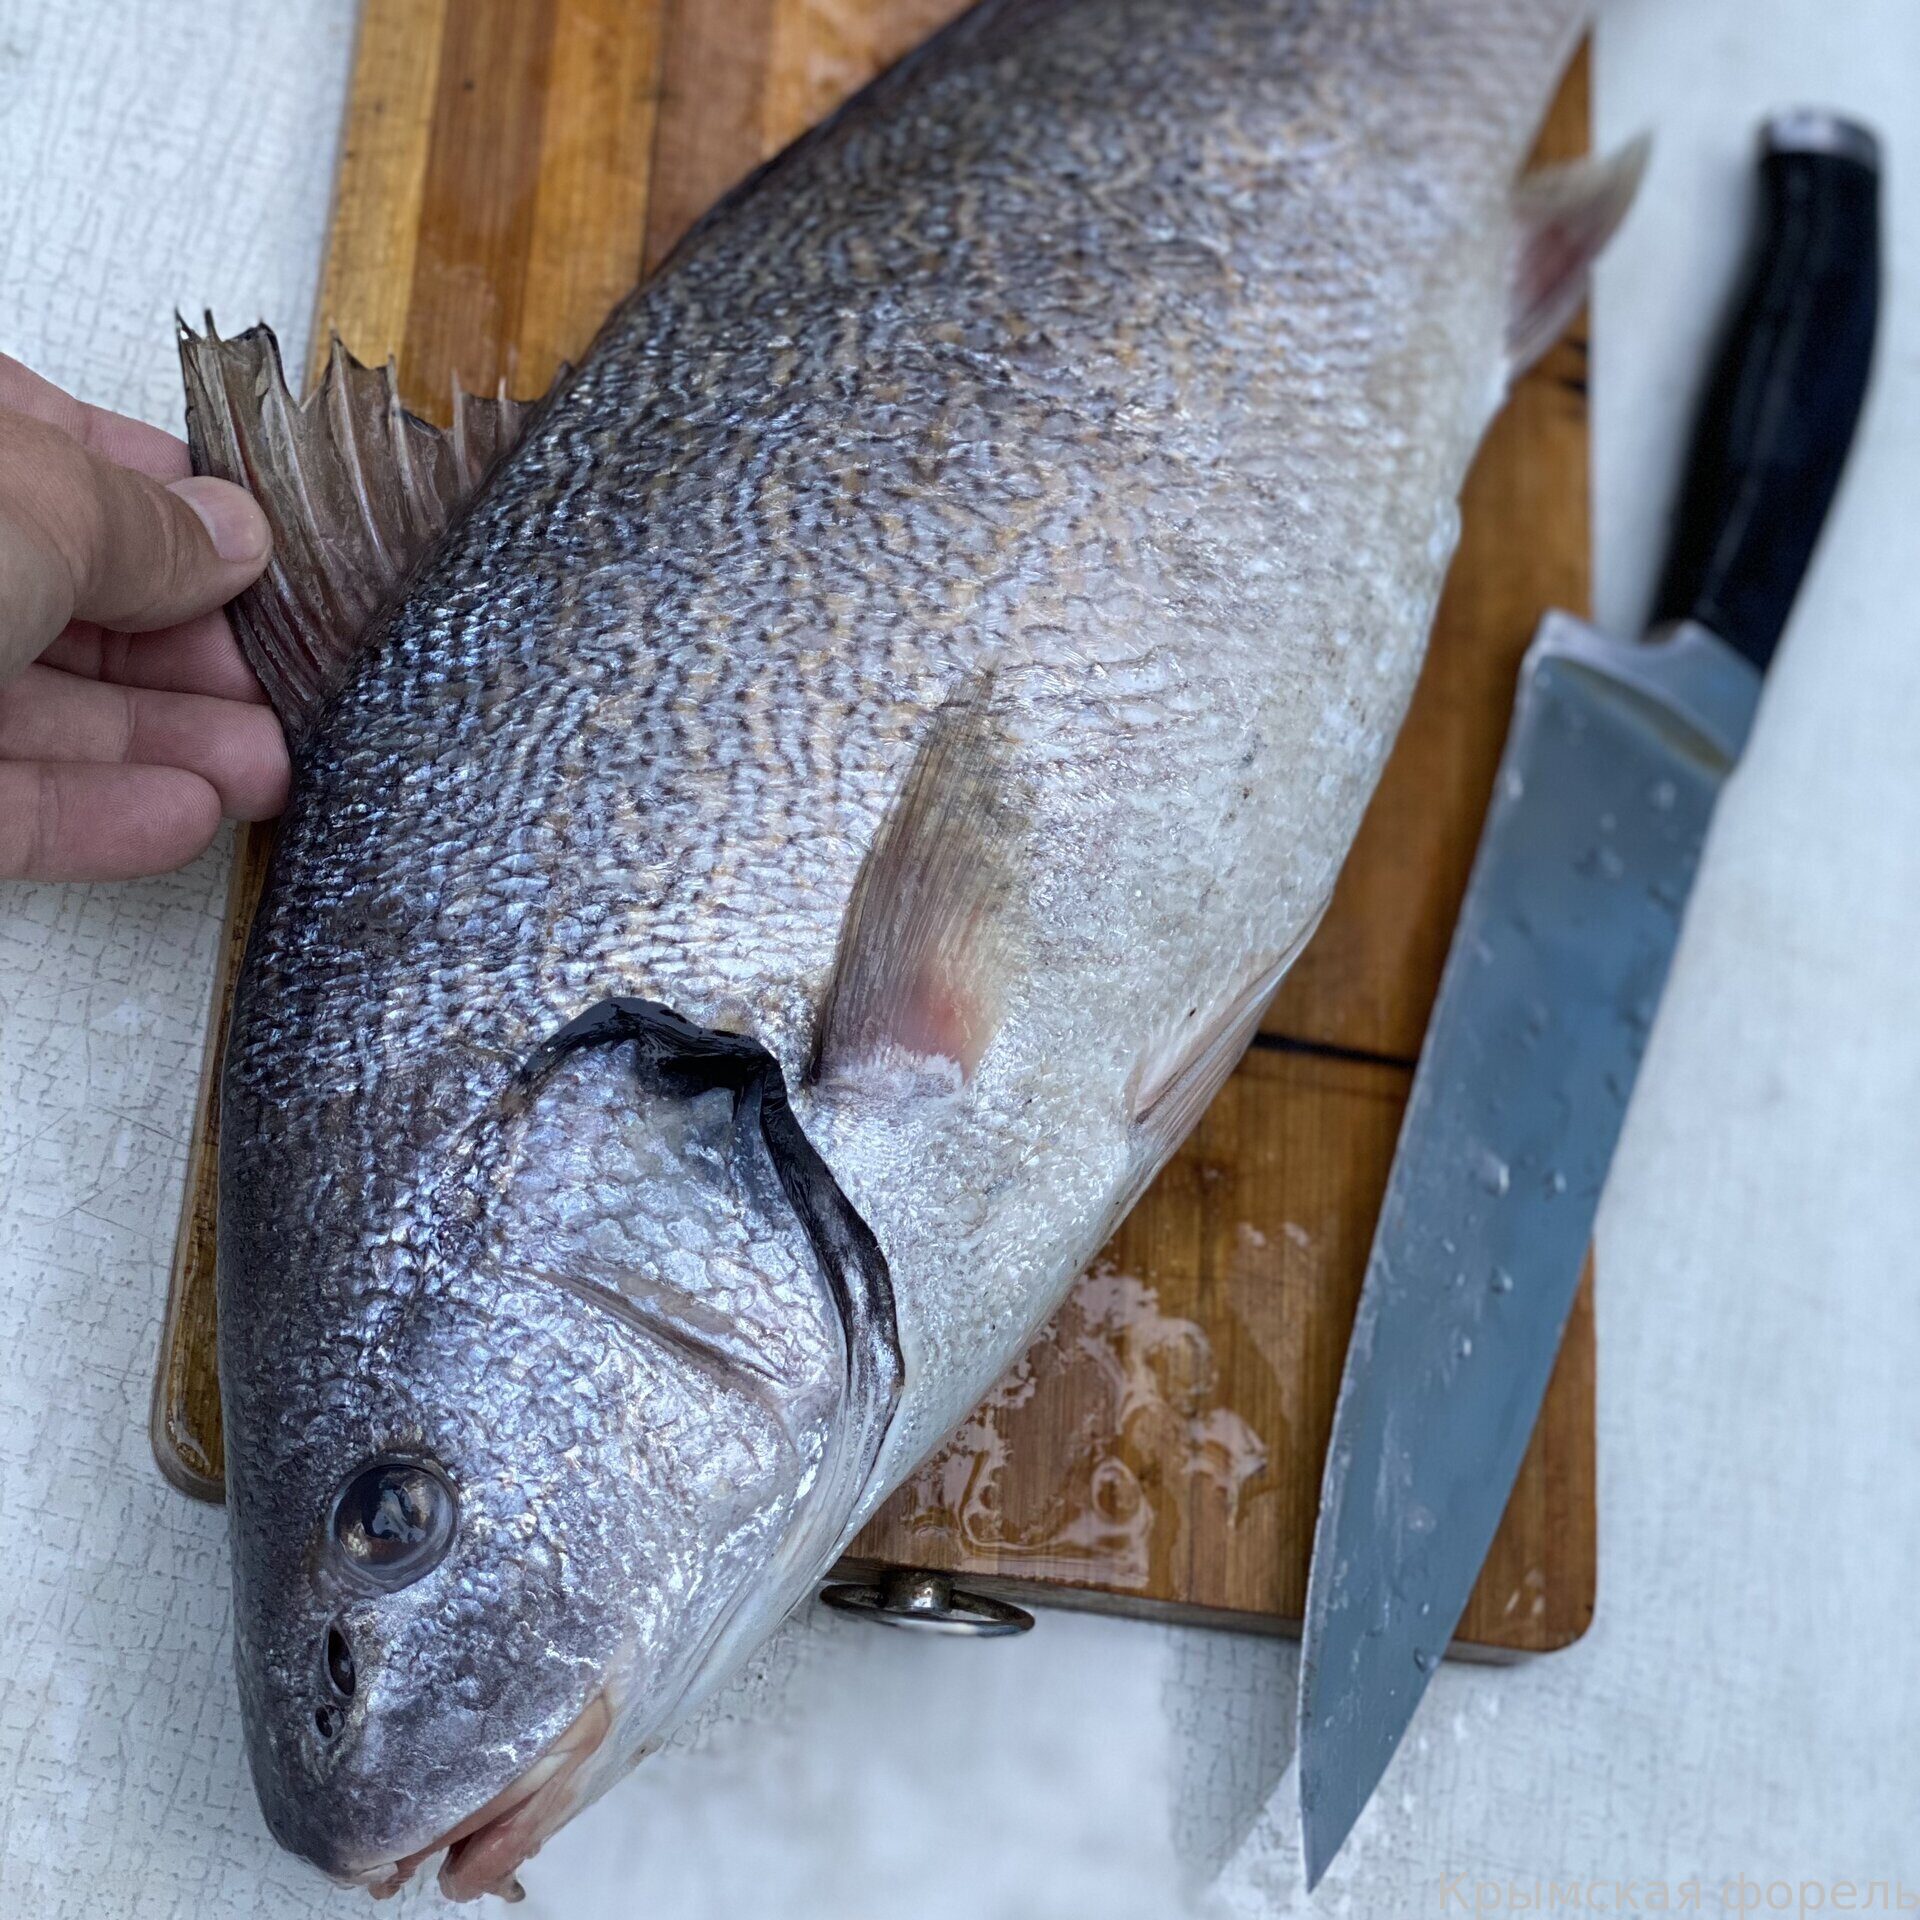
(1615, 757)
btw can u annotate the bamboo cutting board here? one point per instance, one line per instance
(509, 168)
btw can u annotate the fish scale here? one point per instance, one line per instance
(1084, 404)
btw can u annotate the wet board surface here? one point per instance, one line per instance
(508, 169)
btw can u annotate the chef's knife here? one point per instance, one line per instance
(1616, 755)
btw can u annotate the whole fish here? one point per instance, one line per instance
(774, 872)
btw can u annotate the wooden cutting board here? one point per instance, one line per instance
(508, 169)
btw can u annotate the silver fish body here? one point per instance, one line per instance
(1072, 429)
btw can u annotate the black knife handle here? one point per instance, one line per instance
(1780, 407)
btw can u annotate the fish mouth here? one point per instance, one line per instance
(485, 1848)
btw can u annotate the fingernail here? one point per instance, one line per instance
(233, 520)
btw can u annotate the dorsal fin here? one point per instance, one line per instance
(1562, 217)
(355, 488)
(936, 926)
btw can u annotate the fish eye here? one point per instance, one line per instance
(392, 1522)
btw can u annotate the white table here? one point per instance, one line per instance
(1746, 1703)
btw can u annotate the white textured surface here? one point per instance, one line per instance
(153, 155)
(1746, 1700)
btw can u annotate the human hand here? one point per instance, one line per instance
(129, 723)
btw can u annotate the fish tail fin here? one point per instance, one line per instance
(1562, 218)
(354, 486)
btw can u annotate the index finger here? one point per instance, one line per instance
(115, 436)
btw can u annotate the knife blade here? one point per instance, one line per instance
(1615, 757)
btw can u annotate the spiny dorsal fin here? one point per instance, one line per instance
(1562, 217)
(936, 926)
(355, 488)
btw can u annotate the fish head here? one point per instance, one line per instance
(544, 1484)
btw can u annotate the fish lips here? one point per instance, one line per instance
(377, 1813)
(486, 1847)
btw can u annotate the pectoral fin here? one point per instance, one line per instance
(355, 487)
(936, 926)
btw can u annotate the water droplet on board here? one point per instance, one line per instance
(1502, 1280)
(1514, 783)
(1463, 1346)
(1423, 1659)
(1661, 796)
(1556, 1181)
(1152, 1382)
(1495, 1175)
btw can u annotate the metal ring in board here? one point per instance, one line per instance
(908, 1597)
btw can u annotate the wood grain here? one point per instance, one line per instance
(366, 282)
(509, 168)
(185, 1420)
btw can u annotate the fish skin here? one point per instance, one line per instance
(1112, 366)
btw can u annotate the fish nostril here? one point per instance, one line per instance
(329, 1721)
(340, 1663)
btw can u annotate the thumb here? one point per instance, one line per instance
(84, 539)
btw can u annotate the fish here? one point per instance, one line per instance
(790, 830)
